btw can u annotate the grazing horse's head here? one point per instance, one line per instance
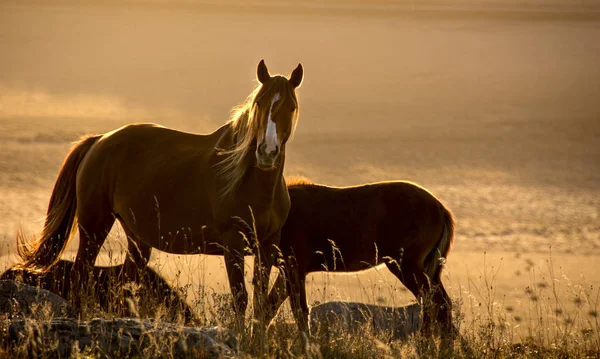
(275, 110)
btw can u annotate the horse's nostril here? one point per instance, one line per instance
(261, 148)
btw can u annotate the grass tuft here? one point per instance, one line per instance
(561, 317)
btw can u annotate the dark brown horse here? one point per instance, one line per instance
(177, 191)
(345, 229)
(155, 293)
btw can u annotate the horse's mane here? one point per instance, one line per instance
(245, 124)
(298, 181)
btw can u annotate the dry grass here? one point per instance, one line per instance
(561, 317)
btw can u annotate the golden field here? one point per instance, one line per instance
(497, 115)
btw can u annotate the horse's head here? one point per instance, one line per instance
(275, 110)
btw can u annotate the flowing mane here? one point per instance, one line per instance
(298, 181)
(245, 124)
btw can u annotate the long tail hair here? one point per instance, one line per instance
(433, 262)
(41, 253)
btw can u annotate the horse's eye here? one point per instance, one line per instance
(293, 109)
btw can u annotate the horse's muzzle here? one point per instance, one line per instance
(266, 160)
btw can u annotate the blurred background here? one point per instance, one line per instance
(492, 105)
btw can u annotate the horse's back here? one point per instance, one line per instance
(405, 195)
(363, 221)
(389, 197)
(149, 150)
(143, 157)
(144, 173)
(152, 139)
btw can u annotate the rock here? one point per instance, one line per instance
(397, 322)
(149, 296)
(120, 337)
(41, 323)
(18, 300)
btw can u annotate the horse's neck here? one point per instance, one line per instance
(225, 136)
(267, 183)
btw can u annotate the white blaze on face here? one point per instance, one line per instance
(271, 139)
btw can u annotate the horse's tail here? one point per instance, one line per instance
(435, 259)
(41, 253)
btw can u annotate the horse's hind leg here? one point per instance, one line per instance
(297, 291)
(443, 305)
(94, 226)
(138, 256)
(295, 280)
(413, 276)
(134, 270)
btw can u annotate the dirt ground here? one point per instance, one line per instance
(499, 116)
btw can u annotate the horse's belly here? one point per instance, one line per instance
(329, 262)
(183, 230)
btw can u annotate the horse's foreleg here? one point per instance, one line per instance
(263, 262)
(233, 243)
(276, 297)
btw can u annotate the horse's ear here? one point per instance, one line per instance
(297, 76)
(262, 73)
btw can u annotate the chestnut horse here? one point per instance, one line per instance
(178, 191)
(346, 229)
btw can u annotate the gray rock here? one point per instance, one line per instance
(18, 300)
(148, 296)
(395, 322)
(41, 323)
(121, 337)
